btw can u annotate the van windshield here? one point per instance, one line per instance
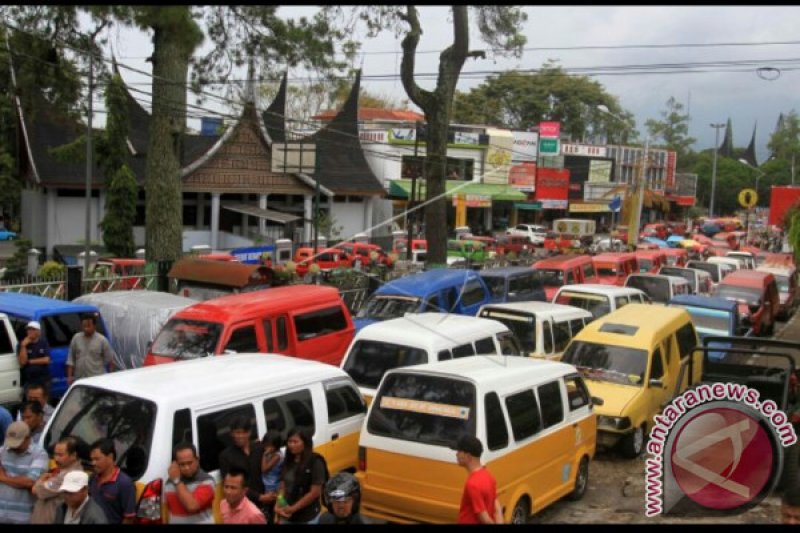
(645, 265)
(187, 339)
(656, 288)
(711, 320)
(743, 295)
(89, 414)
(688, 275)
(550, 277)
(370, 360)
(496, 284)
(706, 267)
(386, 307)
(522, 325)
(59, 329)
(597, 304)
(783, 283)
(423, 409)
(605, 362)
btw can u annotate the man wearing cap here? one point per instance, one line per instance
(21, 464)
(479, 503)
(33, 353)
(46, 488)
(78, 507)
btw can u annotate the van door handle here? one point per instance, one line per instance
(334, 436)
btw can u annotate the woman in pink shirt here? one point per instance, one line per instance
(236, 508)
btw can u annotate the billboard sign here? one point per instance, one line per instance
(549, 146)
(552, 184)
(600, 170)
(550, 130)
(587, 150)
(523, 177)
(526, 146)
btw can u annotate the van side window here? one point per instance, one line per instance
(509, 345)
(485, 346)
(243, 340)
(20, 327)
(214, 433)
(444, 355)
(561, 336)
(686, 339)
(547, 336)
(464, 350)
(268, 334)
(570, 278)
(343, 402)
(294, 409)
(523, 412)
(576, 325)
(577, 393)
(182, 426)
(496, 431)
(322, 322)
(433, 304)
(473, 293)
(621, 301)
(657, 370)
(552, 406)
(448, 300)
(283, 337)
(5, 341)
(525, 285)
(588, 271)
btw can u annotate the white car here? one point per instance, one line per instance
(607, 244)
(535, 233)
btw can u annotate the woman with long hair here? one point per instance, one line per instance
(304, 473)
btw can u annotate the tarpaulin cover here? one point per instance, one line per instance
(133, 319)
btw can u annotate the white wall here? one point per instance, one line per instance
(192, 237)
(33, 218)
(350, 216)
(70, 221)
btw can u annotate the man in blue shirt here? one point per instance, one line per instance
(110, 487)
(33, 353)
(5, 421)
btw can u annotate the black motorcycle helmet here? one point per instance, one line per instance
(340, 486)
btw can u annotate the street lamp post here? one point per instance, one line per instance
(714, 168)
(759, 174)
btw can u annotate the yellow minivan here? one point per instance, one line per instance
(636, 360)
(534, 418)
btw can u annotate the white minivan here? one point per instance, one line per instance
(543, 329)
(421, 338)
(146, 411)
(660, 288)
(599, 299)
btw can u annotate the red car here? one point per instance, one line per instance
(658, 230)
(519, 244)
(555, 272)
(362, 252)
(676, 256)
(651, 260)
(560, 242)
(326, 258)
(613, 268)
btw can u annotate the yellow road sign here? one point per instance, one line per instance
(748, 198)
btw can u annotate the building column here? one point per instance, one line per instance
(262, 222)
(214, 220)
(307, 214)
(50, 239)
(200, 219)
(368, 206)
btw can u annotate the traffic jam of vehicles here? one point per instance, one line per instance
(554, 346)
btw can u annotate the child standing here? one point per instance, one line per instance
(271, 466)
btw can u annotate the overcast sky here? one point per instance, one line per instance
(710, 94)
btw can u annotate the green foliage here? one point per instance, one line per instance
(52, 269)
(518, 100)
(785, 142)
(327, 225)
(673, 128)
(732, 177)
(18, 263)
(794, 234)
(117, 224)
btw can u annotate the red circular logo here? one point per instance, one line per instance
(722, 458)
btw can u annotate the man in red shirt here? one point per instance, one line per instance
(189, 491)
(479, 503)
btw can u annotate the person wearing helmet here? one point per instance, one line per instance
(342, 496)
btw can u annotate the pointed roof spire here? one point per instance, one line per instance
(750, 152)
(250, 84)
(274, 117)
(726, 148)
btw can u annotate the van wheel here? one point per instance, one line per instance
(581, 480)
(521, 512)
(633, 445)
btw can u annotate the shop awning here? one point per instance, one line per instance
(269, 214)
(401, 188)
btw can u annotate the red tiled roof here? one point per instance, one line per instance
(374, 113)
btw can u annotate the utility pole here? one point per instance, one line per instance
(316, 199)
(413, 196)
(633, 231)
(87, 248)
(714, 168)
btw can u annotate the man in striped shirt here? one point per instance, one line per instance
(21, 464)
(189, 491)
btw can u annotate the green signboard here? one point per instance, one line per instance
(548, 146)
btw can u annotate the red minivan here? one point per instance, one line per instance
(554, 272)
(651, 260)
(306, 321)
(612, 268)
(676, 257)
(757, 295)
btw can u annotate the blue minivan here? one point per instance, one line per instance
(60, 321)
(514, 284)
(443, 290)
(711, 316)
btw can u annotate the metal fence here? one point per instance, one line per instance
(49, 288)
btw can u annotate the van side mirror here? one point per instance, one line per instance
(597, 401)
(655, 383)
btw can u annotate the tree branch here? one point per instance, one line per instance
(417, 95)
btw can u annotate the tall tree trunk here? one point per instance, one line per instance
(164, 192)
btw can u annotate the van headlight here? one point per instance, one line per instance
(614, 422)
